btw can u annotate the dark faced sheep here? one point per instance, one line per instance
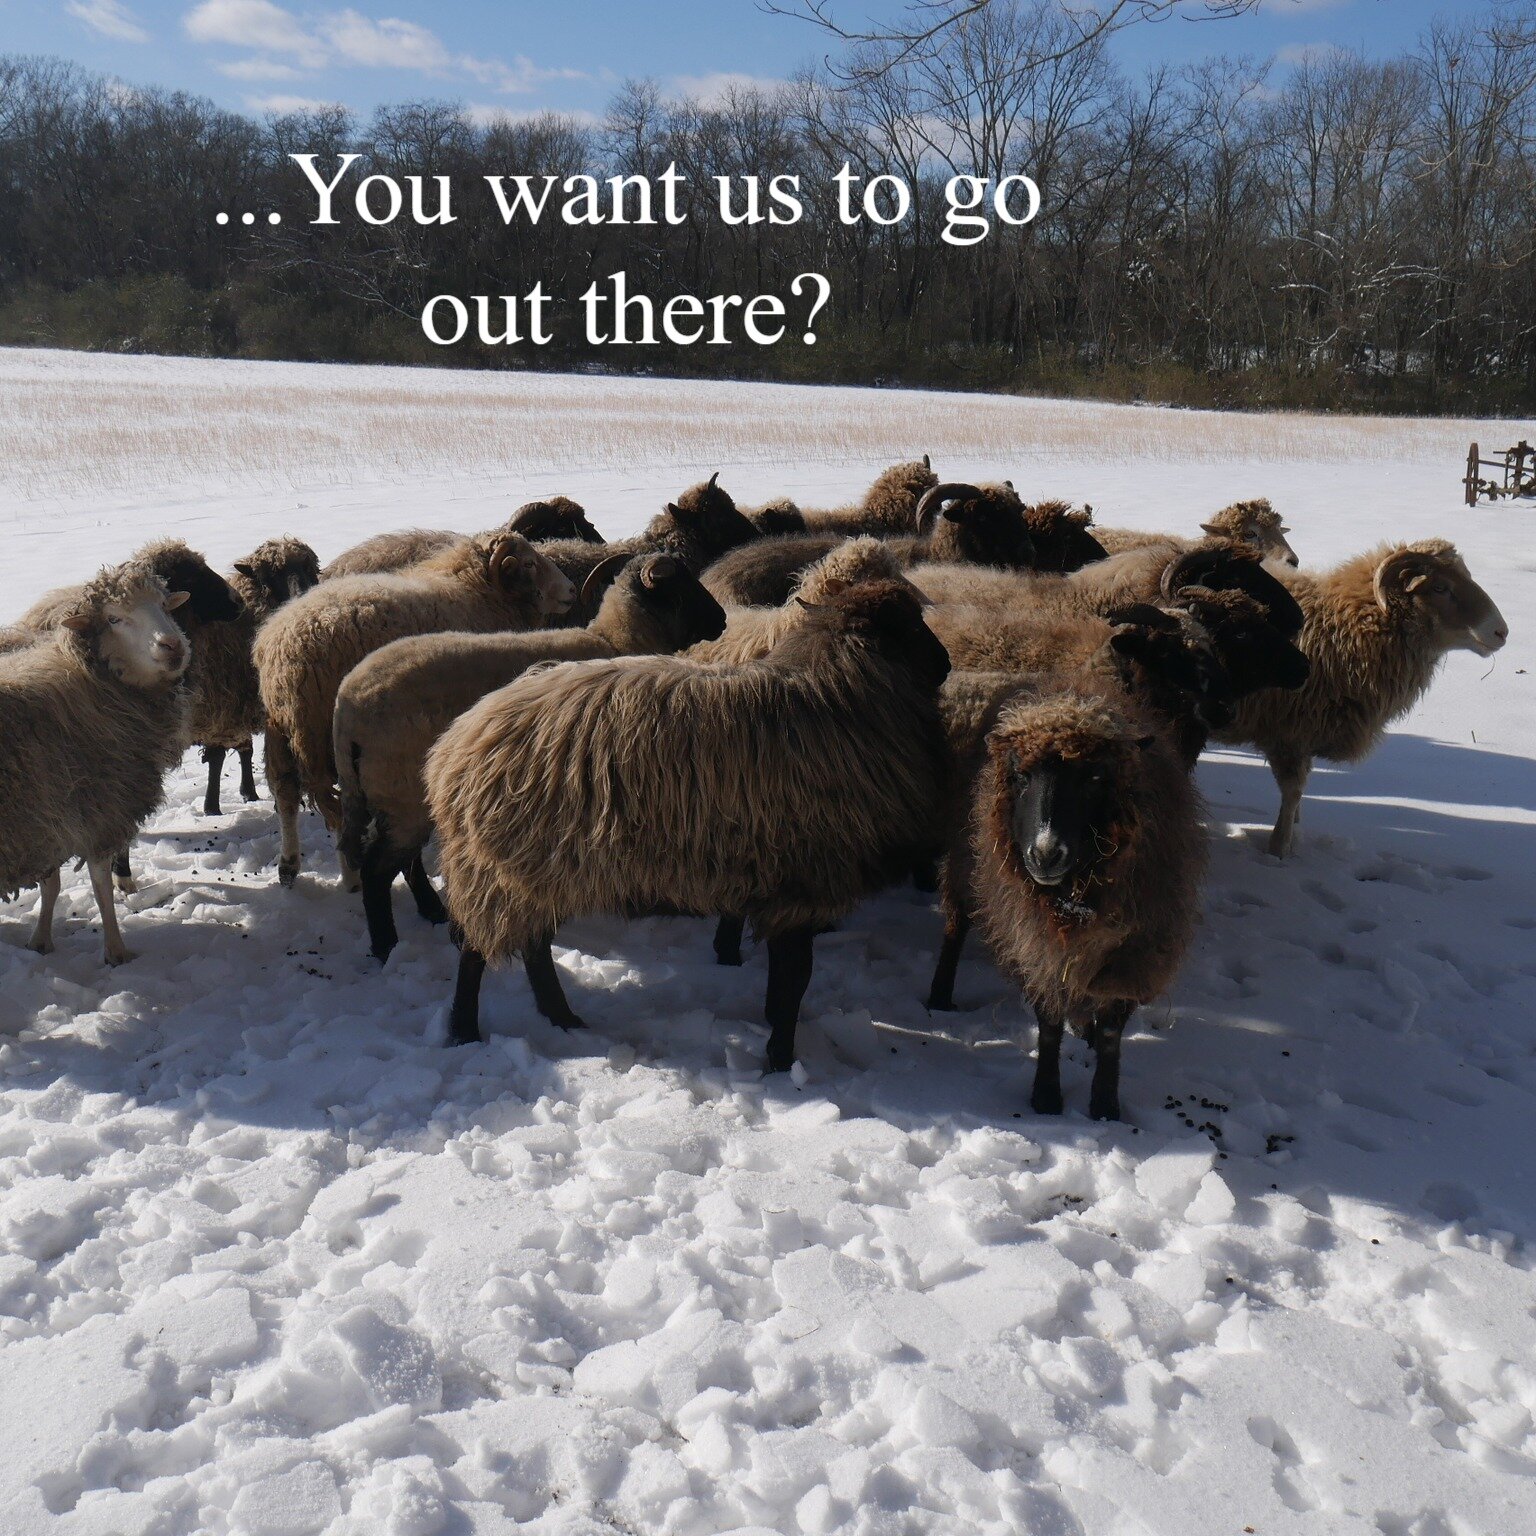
(494, 581)
(1377, 628)
(1062, 535)
(786, 789)
(396, 702)
(225, 711)
(1254, 524)
(1081, 858)
(558, 517)
(91, 717)
(886, 509)
(976, 525)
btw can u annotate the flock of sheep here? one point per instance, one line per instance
(762, 715)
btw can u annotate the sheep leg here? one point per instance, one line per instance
(464, 1017)
(1291, 772)
(122, 873)
(42, 934)
(728, 932)
(114, 951)
(941, 991)
(789, 973)
(544, 978)
(247, 773)
(283, 780)
(1045, 1097)
(380, 865)
(214, 757)
(1104, 1096)
(925, 875)
(428, 903)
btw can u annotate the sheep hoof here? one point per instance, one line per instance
(941, 1004)
(1107, 1108)
(250, 795)
(725, 956)
(1046, 1101)
(126, 885)
(287, 872)
(117, 956)
(212, 808)
(569, 1021)
(40, 946)
(1280, 844)
(778, 1061)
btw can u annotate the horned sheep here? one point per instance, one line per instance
(493, 581)
(397, 701)
(785, 789)
(1376, 630)
(1254, 524)
(91, 717)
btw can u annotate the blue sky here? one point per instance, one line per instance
(518, 56)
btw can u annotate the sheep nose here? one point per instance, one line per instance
(1048, 858)
(171, 649)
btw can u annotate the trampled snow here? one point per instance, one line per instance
(273, 1261)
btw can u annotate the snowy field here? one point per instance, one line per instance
(273, 1262)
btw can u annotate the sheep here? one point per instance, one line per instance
(786, 789)
(958, 522)
(1081, 857)
(492, 581)
(752, 632)
(1062, 536)
(397, 701)
(1377, 628)
(886, 508)
(225, 711)
(212, 605)
(537, 521)
(700, 526)
(1254, 524)
(91, 717)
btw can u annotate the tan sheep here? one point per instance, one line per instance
(493, 581)
(1376, 630)
(1254, 523)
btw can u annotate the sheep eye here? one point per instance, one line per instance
(1440, 588)
(113, 618)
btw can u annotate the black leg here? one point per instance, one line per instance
(248, 773)
(428, 903)
(379, 866)
(728, 932)
(941, 993)
(1046, 1097)
(544, 978)
(122, 873)
(789, 973)
(925, 875)
(1104, 1097)
(464, 1020)
(214, 757)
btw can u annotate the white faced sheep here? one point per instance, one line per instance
(396, 702)
(490, 582)
(980, 525)
(537, 521)
(91, 717)
(1254, 524)
(1082, 860)
(786, 789)
(1377, 628)
(225, 711)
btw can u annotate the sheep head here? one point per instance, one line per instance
(1061, 536)
(514, 567)
(210, 599)
(123, 625)
(1432, 581)
(557, 518)
(1253, 652)
(278, 570)
(887, 616)
(1224, 567)
(1256, 524)
(976, 525)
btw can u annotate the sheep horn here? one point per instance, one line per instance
(658, 569)
(1189, 568)
(497, 558)
(935, 496)
(1143, 614)
(598, 576)
(714, 477)
(926, 463)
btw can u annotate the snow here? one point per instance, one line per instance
(274, 1261)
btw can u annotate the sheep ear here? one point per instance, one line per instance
(926, 462)
(1212, 527)
(713, 478)
(245, 568)
(76, 623)
(1144, 742)
(174, 600)
(1404, 571)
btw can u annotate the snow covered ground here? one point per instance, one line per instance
(273, 1262)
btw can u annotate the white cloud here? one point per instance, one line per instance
(259, 69)
(254, 24)
(1306, 53)
(285, 104)
(109, 17)
(711, 90)
(348, 38)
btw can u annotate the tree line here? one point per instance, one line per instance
(1340, 231)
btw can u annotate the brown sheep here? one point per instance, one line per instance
(887, 508)
(1377, 629)
(493, 581)
(91, 717)
(786, 789)
(1082, 861)
(397, 701)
